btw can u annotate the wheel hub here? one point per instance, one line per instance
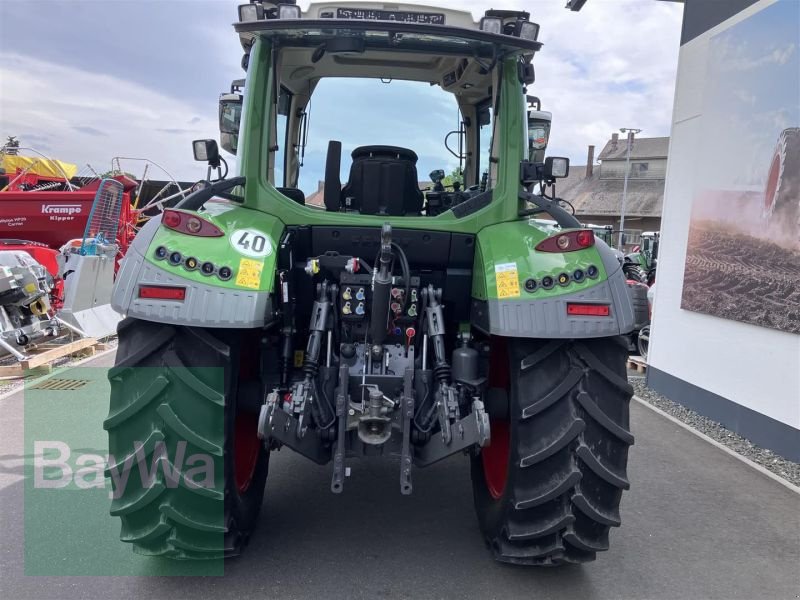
(496, 455)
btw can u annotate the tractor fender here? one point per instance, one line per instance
(519, 291)
(244, 300)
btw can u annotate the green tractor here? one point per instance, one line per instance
(646, 255)
(386, 322)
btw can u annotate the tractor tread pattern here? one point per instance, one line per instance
(571, 451)
(177, 519)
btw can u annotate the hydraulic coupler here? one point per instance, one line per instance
(381, 289)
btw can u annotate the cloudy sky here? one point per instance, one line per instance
(88, 80)
(753, 87)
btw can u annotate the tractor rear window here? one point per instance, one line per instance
(371, 112)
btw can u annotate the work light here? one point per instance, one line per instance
(528, 30)
(250, 12)
(492, 24)
(288, 11)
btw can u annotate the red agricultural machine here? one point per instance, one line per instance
(61, 239)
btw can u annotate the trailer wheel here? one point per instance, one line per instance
(181, 399)
(548, 487)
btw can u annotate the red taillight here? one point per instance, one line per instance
(171, 219)
(161, 292)
(588, 310)
(568, 241)
(190, 224)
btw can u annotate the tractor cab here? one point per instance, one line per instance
(649, 248)
(405, 90)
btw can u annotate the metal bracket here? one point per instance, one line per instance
(408, 412)
(470, 431)
(448, 411)
(274, 423)
(337, 480)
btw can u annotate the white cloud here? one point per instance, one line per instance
(612, 65)
(83, 117)
(738, 55)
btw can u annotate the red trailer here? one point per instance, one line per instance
(56, 217)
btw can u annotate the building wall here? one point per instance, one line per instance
(615, 169)
(745, 376)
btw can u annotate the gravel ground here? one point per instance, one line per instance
(782, 467)
(8, 385)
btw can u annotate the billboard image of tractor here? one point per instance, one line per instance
(743, 253)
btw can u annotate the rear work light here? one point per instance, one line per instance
(569, 241)
(161, 292)
(190, 224)
(588, 310)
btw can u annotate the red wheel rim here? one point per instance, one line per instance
(246, 446)
(772, 183)
(496, 455)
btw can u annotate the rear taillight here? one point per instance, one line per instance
(190, 224)
(588, 310)
(568, 241)
(161, 292)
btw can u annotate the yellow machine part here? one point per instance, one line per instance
(39, 307)
(44, 167)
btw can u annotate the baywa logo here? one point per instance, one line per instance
(61, 209)
(55, 466)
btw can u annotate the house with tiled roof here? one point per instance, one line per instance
(595, 190)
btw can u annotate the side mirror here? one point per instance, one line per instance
(206, 151)
(538, 133)
(230, 115)
(484, 117)
(555, 167)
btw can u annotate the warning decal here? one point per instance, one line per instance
(249, 274)
(507, 280)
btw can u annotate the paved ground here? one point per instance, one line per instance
(696, 524)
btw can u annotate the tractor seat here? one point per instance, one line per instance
(383, 181)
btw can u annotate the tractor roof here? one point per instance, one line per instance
(393, 41)
(399, 22)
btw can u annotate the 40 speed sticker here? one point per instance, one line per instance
(251, 242)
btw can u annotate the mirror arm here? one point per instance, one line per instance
(196, 200)
(543, 204)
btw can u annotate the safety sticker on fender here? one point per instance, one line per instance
(251, 242)
(249, 274)
(507, 280)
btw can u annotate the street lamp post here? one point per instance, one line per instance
(631, 133)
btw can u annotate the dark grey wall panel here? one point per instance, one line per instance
(701, 15)
(758, 428)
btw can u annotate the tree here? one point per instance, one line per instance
(11, 147)
(456, 175)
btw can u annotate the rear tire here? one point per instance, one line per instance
(565, 440)
(782, 188)
(182, 385)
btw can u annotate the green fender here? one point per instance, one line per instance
(511, 296)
